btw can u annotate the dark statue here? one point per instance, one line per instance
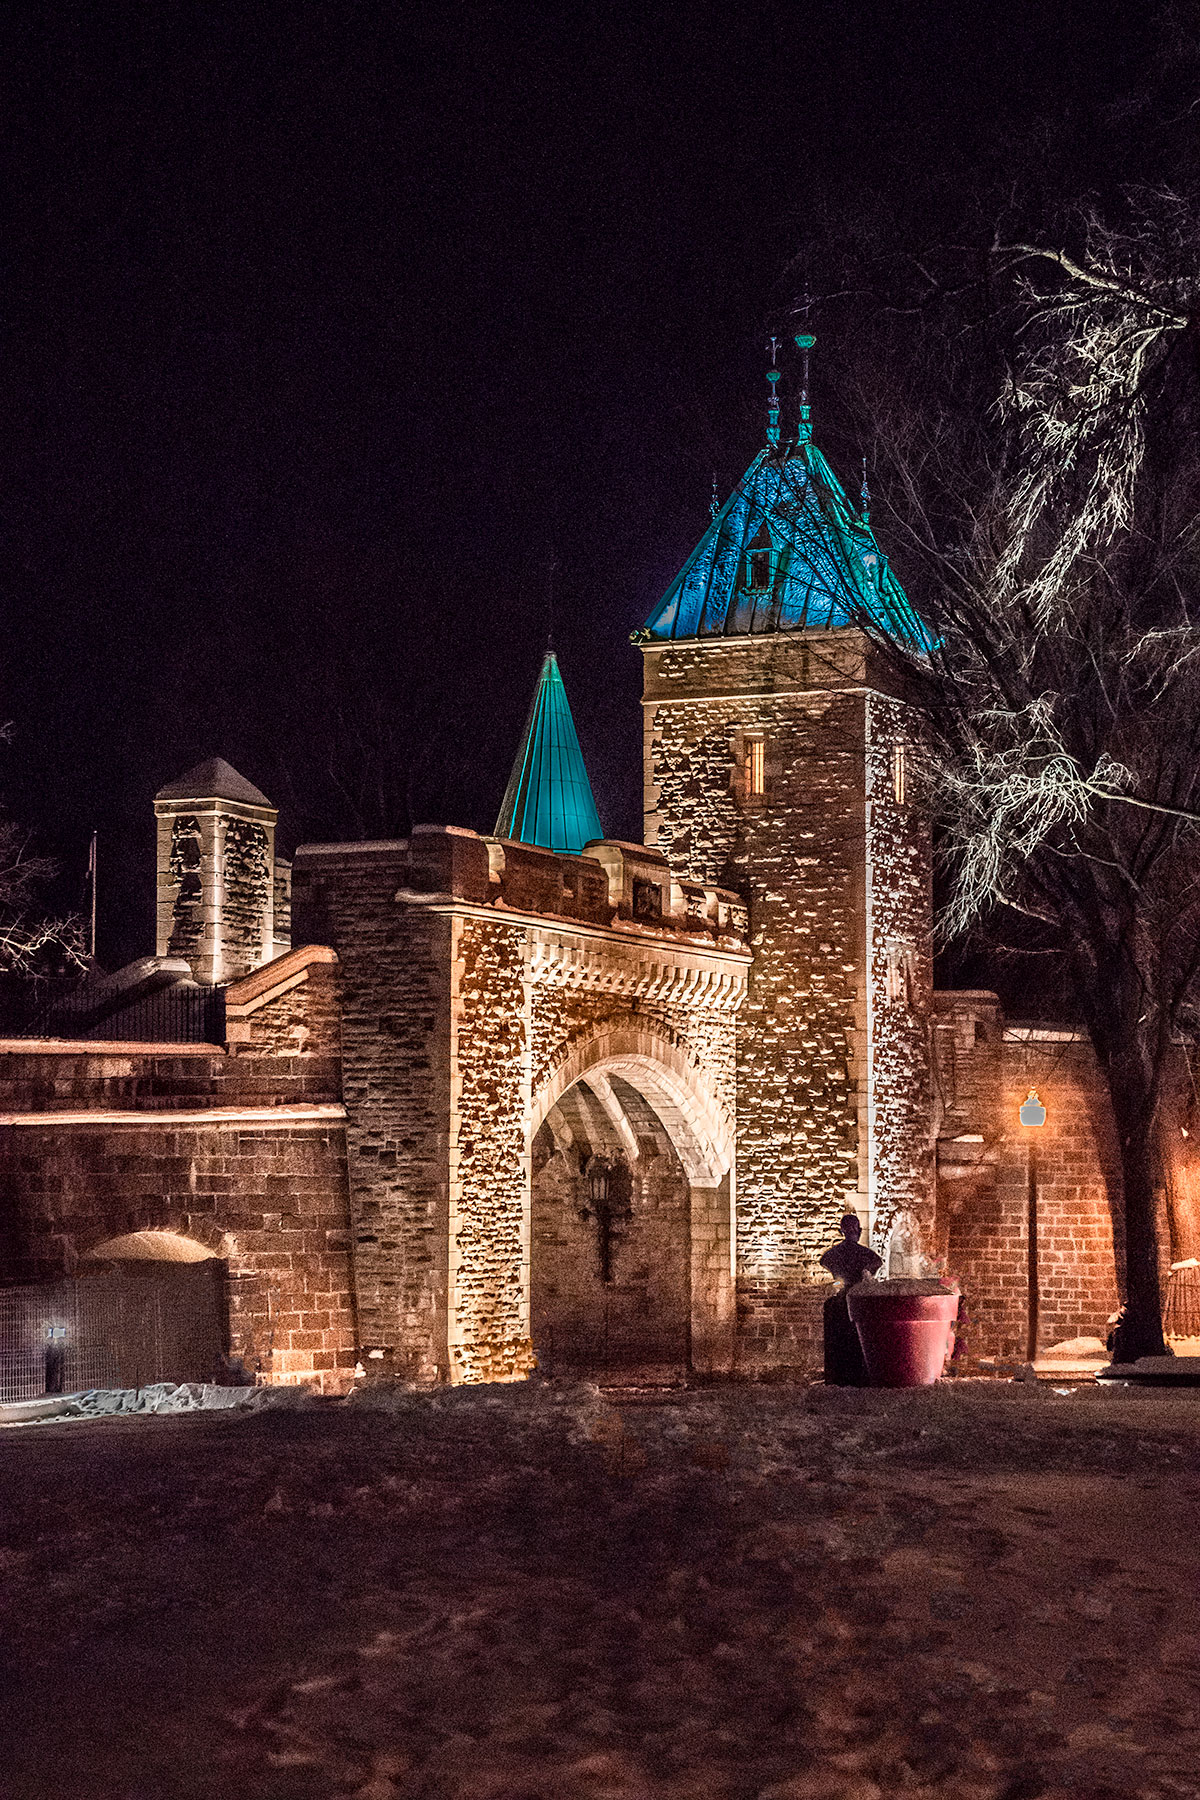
(849, 1260)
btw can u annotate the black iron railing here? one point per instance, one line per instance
(180, 1014)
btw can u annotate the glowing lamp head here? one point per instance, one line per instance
(1031, 1111)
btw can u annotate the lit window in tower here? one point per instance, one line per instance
(899, 772)
(756, 767)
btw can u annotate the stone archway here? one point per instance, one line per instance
(631, 1251)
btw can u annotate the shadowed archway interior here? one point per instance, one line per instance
(611, 1287)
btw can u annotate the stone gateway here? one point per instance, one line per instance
(544, 1100)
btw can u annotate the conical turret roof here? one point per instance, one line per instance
(786, 552)
(548, 800)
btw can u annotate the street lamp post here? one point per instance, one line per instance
(1032, 1115)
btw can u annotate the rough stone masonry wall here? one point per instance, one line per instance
(900, 992)
(562, 1018)
(638, 1320)
(489, 1156)
(185, 881)
(305, 1021)
(247, 894)
(395, 975)
(798, 857)
(704, 1037)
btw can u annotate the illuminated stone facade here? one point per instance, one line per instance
(223, 894)
(599, 1114)
(832, 1067)
(484, 982)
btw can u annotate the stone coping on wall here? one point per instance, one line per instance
(286, 1115)
(274, 978)
(626, 932)
(125, 1047)
(1043, 1034)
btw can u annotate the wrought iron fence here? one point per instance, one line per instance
(180, 1014)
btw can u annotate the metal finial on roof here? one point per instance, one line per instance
(714, 505)
(773, 394)
(804, 342)
(551, 571)
(865, 493)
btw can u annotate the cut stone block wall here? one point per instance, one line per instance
(243, 1154)
(395, 965)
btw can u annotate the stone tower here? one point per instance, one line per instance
(223, 898)
(778, 763)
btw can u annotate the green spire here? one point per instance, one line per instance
(548, 800)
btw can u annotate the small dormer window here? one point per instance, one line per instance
(760, 569)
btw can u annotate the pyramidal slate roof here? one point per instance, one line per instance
(786, 552)
(213, 780)
(548, 800)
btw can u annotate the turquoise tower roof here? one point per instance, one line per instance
(548, 800)
(786, 552)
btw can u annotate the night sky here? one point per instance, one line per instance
(329, 327)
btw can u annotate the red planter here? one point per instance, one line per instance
(906, 1329)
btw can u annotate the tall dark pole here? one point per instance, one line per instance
(1032, 1226)
(1032, 1114)
(92, 862)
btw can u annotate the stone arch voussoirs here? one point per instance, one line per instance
(681, 1089)
(674, 1082)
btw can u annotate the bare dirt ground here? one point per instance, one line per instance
(978, 1592)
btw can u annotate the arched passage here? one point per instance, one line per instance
(631, 1213)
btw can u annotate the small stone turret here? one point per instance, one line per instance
(223, 898)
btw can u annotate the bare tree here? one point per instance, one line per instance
(1033, 414)
(30, 943)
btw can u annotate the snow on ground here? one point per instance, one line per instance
(978, 1592)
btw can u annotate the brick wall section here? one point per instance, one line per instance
(489, 1156)
(799, 857)
(395, 964)
(270, 1199)
(983, 1076)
